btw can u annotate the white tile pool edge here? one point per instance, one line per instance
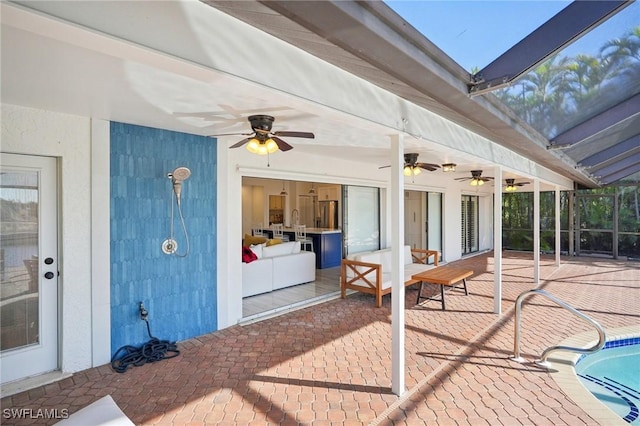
(563, 372)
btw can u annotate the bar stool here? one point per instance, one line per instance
(278, 232)
(301, 235)
(256, 230)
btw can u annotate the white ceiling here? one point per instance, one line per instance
(52, 64)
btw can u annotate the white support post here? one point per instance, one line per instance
(536, 231)
(557, 223)
(397, 270)
(497, 242)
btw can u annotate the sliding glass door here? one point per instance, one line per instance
(469, 224)
(361, 227)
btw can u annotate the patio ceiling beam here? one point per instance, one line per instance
(572, 22)
(620, 174)
(627, 147)
(608, 118)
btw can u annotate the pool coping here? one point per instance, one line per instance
(562, 371)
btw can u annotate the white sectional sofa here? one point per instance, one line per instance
(278, 266)
(370, 272)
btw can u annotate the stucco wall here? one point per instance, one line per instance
(178, 292)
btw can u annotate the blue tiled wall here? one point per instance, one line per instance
(179, 293)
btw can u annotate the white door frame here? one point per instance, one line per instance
(42, 356)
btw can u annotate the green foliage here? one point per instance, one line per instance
(564, 91)
(596, 218)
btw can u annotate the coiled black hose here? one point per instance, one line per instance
(152, 351)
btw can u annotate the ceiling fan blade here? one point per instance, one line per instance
(281, 144)
(384, 167)
(230, 134)
(289, 134)
(239, 144)
(462, 178)
(428, 166)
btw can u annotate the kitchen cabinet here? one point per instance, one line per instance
(276, 209)
(329, 192)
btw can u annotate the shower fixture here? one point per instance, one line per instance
(177, 176)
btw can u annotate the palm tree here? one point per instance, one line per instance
(623, 49)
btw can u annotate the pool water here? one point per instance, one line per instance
(613, 376)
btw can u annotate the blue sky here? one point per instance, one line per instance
(474, 33)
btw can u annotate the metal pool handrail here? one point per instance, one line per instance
(543, 358)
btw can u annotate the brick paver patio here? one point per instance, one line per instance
(330, 363)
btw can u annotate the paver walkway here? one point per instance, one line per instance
(330, 363)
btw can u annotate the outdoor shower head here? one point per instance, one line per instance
(180, 174)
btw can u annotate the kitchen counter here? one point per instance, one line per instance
(318, 230)
(327, 244)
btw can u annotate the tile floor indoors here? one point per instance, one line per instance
(330, 363)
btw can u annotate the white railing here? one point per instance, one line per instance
(543, 358)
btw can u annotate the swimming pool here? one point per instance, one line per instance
(613, 376)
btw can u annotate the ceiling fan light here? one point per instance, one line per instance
(262, 149)
(480, 182)
(449, 167)
(407, 171)
(511, 188)
(271, 146)
(253, 146)
(416, 171)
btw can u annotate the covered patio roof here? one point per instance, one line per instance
(371, 40)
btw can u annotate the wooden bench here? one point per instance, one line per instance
(370, 272)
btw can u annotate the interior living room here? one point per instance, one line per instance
(322, 208)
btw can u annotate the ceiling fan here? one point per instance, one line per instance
(262, 140)
(412, 167)
(512, 186)
(476, 178)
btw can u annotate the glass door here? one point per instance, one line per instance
(469, 224)
(28, 266)
(361, 219)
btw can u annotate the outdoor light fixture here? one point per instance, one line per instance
(449, 167)
(512, 186)
(283, 192)
(411, 170)
(312, 190)
(262, 147)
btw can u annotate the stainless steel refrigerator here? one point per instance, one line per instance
(328, 214)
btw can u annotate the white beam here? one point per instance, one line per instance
(536, 231)
(397, 270)
(497, 241)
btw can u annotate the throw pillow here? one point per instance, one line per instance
(273, 242)
(247, 255)
(250, 240)
(257, 249)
